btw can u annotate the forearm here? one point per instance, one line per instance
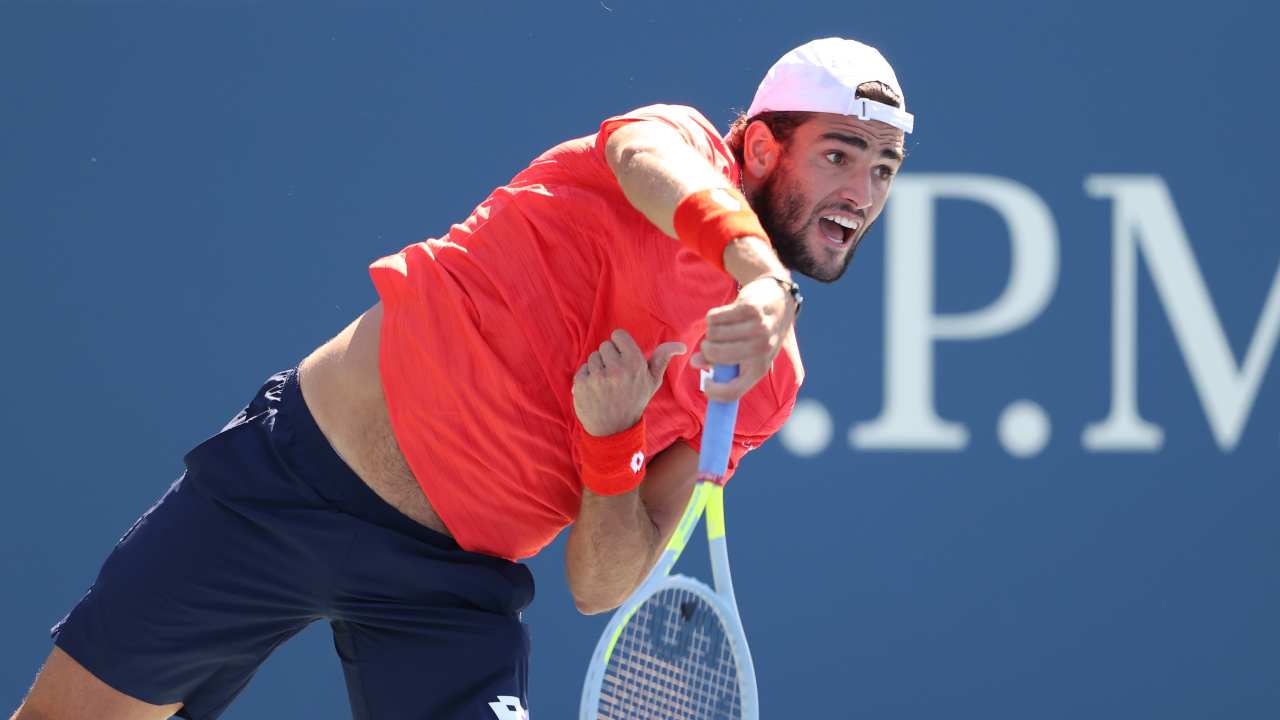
(656, 170)
(612, 545)
(749, 258)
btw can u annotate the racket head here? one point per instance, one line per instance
(680, 653)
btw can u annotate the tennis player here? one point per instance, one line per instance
(525, 373)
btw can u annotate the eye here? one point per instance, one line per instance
(835, 157)
(884, 172)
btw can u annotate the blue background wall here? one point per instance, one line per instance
(189, 198)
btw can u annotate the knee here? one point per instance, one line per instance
(65, 690)
(34, 709)
(26, 712)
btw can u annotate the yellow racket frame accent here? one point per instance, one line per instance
(708, 496)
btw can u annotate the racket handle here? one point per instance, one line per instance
(717, 430)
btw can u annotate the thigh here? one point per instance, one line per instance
(426, 630)
(65, 690)
(230, 563)
(467, 667)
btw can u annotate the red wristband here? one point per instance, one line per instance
(706, 222)
(613, 464)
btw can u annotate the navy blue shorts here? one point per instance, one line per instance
(267, 531)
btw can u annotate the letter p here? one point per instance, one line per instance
(908, 420)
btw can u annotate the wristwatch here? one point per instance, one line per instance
(793, 289)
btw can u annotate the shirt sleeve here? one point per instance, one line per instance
(688, 122)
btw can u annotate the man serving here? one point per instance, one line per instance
(527, 372)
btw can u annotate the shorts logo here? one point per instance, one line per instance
(509, 708)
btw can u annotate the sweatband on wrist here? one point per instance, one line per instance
(706, 222)
(613, 464)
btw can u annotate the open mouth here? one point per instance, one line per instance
(838, 228)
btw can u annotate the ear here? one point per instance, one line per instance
(761, 151)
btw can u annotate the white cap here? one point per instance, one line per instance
(824, 75)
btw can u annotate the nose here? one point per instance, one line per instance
(857, 188)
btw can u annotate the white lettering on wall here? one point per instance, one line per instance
(1144, 219)
(908, 420)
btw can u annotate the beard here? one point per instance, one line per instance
(780, 206)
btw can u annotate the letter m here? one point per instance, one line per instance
(1144, 219)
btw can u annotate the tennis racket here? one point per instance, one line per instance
(676, 649)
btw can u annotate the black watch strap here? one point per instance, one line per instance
(793, 289)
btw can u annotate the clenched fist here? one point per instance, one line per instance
(611, 390)
(748, 333)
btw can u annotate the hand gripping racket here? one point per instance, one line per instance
(676, 649)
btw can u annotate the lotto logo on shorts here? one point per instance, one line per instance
(509, 708)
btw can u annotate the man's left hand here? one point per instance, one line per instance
(612, 389)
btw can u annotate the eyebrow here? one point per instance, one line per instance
(855, 141)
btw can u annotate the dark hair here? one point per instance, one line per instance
(784, 124)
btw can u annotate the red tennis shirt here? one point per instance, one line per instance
(484, 329)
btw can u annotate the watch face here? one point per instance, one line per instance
(793, 287)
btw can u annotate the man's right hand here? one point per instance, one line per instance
(749, 333)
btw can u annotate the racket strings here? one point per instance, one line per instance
(672, 660)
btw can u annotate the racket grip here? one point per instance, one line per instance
(717, 430)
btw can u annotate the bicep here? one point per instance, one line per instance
(668, 484)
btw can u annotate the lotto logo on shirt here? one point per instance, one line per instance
(704, 377)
